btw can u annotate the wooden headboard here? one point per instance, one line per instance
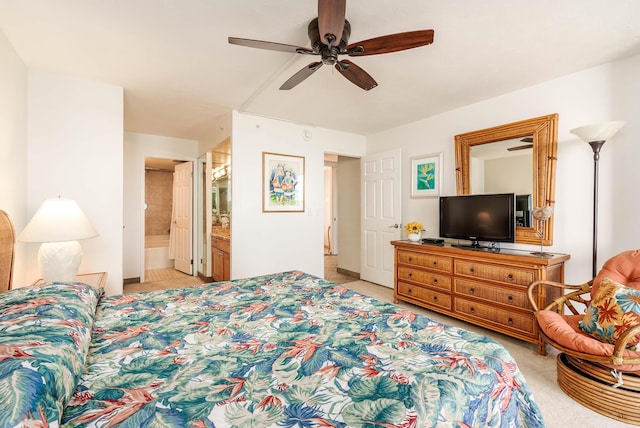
(7, 245)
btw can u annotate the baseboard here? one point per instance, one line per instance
(205, 278)
(355, 275)
(131, 281)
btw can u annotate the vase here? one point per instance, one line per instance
(414, 237)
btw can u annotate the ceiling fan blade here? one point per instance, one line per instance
(301, 75)
(356, 75)
(523, 147)
(331, 14)
(391, 43)
(272, 46)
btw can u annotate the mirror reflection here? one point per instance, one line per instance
(220, 196)
(505, 167)
(518, 157)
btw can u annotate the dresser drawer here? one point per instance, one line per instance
(425, 277)
(429, 297)
(508, 275)
(430, 261)
(510, 320)
(492, 293)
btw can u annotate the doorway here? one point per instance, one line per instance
(160, 219)
(330, 204)
(342, 218)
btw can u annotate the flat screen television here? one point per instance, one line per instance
(478, 218)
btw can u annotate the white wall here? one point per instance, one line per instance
(220, 129)
(75, 150)
(624, 154)
(13, 146)
(137, 147)
(607, 92)
(264, 243)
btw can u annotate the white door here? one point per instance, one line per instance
(181, 234)
(381, 215)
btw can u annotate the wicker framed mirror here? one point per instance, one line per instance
(541, 134)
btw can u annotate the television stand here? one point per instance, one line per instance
(479, 285)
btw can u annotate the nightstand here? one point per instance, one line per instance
(97, 279)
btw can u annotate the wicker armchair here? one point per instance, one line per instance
(602, 376)
(7, 245)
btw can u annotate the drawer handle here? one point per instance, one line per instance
(471, 270)
(472, 290)
(409, 291)
(510, 320)
(410, 259)
(410, 275)
(510, 298)
(435, 280)
(472, 309)
(435, 263)
(510, 277)
(435, 298)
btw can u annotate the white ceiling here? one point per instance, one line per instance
(178, 71)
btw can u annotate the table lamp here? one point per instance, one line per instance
(542, 214)
(58, 225)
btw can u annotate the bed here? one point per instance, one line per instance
(283, 350)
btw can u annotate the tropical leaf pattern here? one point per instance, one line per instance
(45, 332)
(289, 350)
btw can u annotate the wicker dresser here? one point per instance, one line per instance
(486, 288)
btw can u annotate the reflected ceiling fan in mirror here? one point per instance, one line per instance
(524, 146)
(329, 35)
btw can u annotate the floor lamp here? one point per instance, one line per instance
(596, 135)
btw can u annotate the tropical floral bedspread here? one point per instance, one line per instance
(288, 350)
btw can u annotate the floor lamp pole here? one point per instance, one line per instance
(596, 134)
(595, 145)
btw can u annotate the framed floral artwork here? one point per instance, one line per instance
(426, 175)
(282, 183)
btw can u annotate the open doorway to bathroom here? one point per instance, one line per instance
(166, 221)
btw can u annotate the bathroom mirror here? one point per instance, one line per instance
(220, 188)
(533, 146)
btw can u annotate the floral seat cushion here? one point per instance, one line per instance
(614, 309)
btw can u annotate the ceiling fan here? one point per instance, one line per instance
(329, 35)
(524, 146)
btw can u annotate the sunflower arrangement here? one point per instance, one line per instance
(413, 227)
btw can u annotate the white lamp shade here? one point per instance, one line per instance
(58, 224)
(58, 220)
(598, 131)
